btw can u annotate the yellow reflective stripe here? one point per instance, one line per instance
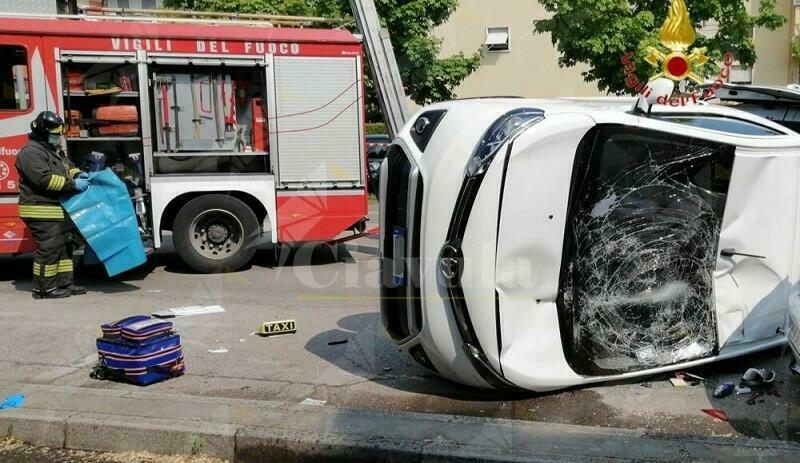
(57, 182)
(49, 270)
(41, 212)
(65, 266)
(73, 172)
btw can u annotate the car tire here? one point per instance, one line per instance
(216, 233)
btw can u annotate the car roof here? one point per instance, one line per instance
(758, 93)
(619, 110)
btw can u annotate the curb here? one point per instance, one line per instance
(253, 431)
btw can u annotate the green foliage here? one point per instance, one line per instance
(599, 32)
(376, 128)
(796, 46)
(427, 77)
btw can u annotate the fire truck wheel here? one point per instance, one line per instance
(216, 233)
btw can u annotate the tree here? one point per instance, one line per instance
(427, 77)
(600, 32)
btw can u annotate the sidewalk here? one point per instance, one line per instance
(251, 431)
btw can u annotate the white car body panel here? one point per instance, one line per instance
(752, 295)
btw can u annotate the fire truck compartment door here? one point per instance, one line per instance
(316, 121)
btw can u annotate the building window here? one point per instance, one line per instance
(134, 3)
(741, 75)
(497, 39)
(14, 92)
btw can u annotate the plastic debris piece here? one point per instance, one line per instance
(678, 382)
(188, 311)
(337, 342)
(724, 390)
(314, 402)
(755, 377)
(647, 385)
(221, 350)
(741, 390)
(13, 401)
(387, 369)
(716, 413)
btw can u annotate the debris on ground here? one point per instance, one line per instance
(188, 311)
(220, 350)
(314, 402)
(724, 390)
(13, 401)
(677, 382)
(337, 342)
(647, 385)
(278, 327)
(755, 377)
(795, 367)
(753, 398)
(387, 369)
(742, 390)
(716, 413)
(688, 376)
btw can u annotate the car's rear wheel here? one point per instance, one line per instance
(216, 233)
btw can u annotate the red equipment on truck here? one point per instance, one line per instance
(222, 131)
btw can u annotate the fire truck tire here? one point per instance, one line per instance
(216, 233)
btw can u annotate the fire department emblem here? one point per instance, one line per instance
(677, 35)
(4, 170)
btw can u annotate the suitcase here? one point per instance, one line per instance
(114, 329)
(145, 330)
(117, 130)
(139, 349)
(117, 113)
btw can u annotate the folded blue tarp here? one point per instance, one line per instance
(105, 217)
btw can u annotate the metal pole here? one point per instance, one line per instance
(383, 64)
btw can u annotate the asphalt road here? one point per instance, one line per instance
(52, 342)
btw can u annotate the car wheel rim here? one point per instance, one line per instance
(216, 234)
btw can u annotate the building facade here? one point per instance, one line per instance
(518, 62)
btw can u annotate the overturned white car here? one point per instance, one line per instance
(540, 244)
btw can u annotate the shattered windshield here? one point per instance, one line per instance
(641, 248)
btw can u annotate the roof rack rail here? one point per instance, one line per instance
(167, 15)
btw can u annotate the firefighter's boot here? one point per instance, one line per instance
(58, 293)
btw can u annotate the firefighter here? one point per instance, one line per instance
(47, 176)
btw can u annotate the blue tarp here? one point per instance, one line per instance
(105, 217)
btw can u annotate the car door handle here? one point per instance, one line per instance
(734, 252)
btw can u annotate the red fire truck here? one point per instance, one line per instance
(222, 131)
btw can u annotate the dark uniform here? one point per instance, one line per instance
(46, 176)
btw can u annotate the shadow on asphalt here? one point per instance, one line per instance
(17, 270)
(369, 350)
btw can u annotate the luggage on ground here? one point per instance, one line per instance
(139, 349)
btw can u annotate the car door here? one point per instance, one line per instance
(756, 270)
(637, 277)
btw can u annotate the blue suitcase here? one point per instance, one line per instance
(140, 350)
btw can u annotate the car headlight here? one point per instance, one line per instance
(507, 127)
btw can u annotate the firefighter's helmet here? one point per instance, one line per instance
(47, 123)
